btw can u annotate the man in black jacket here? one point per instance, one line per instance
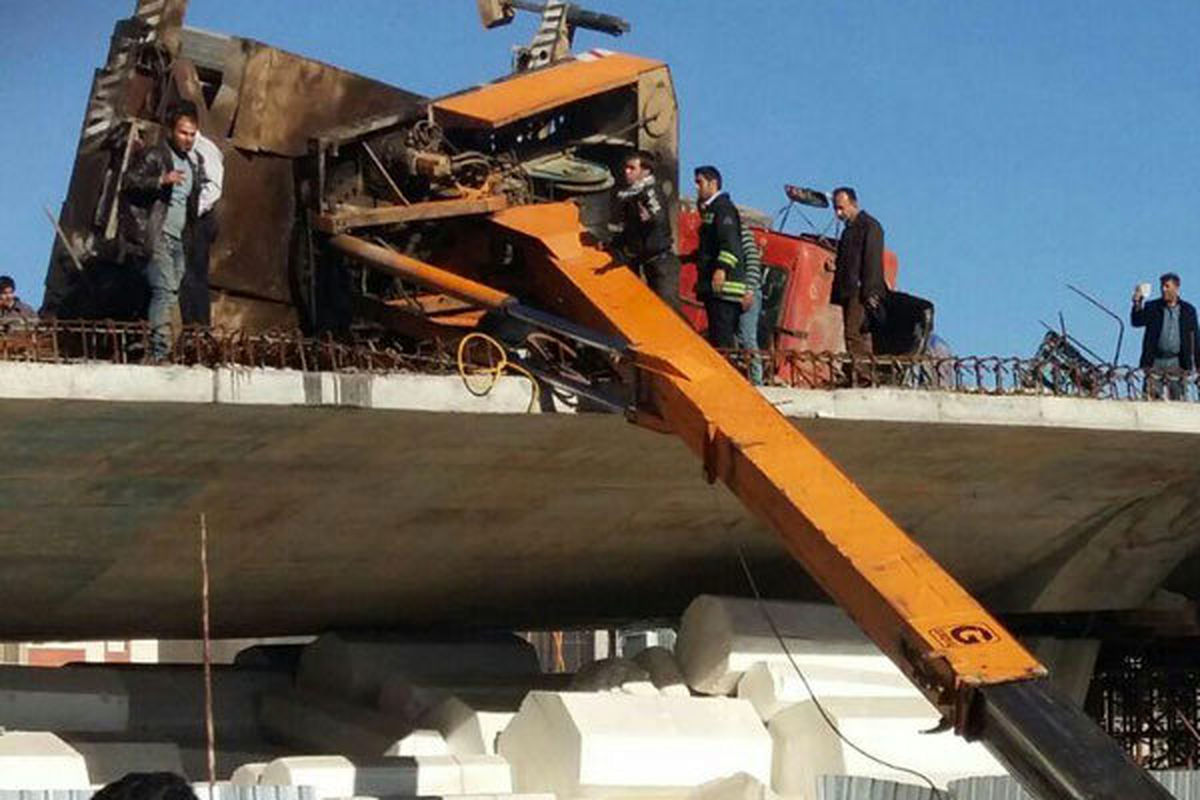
(858, 285)
(720, 265)
(1170, 338)
(645, 240)
(161, 197)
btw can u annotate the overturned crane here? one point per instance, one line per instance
(485, 210)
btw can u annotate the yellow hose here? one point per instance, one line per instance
(467, 371)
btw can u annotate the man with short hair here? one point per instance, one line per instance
(195, 304)
(161, 195)
(720, 264)
(12, 310)
(858, 284)
(1170, 338)
(645, 238)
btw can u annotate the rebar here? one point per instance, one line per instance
(107, 341)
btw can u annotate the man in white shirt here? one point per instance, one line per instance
(194, 303)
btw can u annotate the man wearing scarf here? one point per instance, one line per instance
(645, 236)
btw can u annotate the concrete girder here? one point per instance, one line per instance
(392, 500)
(1115, 559)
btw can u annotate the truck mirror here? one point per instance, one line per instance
(806, 197)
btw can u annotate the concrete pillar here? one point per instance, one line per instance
(356, 667)
(65, 699)
(167, 701)
(311, 722)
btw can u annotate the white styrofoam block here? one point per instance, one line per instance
(471, 729)
(484, 774)
(889, 728)
(436, 775)
(248, 774)
(659, 663)
(329, 776)
(721, 637)
(39, 760)
(421, 742)
(773, 686)
(37, 699)
(643, 688)
(357, 666)
(222, 790)
(338, 776)
(109, 761)
(735, 787)
(582, 744)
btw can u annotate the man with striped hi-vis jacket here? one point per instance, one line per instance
(720, 265)
(747, 324)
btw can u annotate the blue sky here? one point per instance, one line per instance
(1008, 147)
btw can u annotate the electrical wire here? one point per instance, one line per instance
(828, 719)
(494, 371)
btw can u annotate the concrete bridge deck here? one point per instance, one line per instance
(355, 500)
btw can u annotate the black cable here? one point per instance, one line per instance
(762, 608)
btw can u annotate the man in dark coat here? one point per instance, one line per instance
(1170, 338)
(160, 203)
(720, 263)
(858, 285)
(645, 240)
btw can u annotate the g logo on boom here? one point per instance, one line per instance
(965, 635)
(972, 634)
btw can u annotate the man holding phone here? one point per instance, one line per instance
(1170, 338)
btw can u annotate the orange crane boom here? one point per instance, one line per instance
(979, 676)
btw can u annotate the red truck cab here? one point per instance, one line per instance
(796, 312)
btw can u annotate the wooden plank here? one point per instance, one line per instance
(357, 217)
